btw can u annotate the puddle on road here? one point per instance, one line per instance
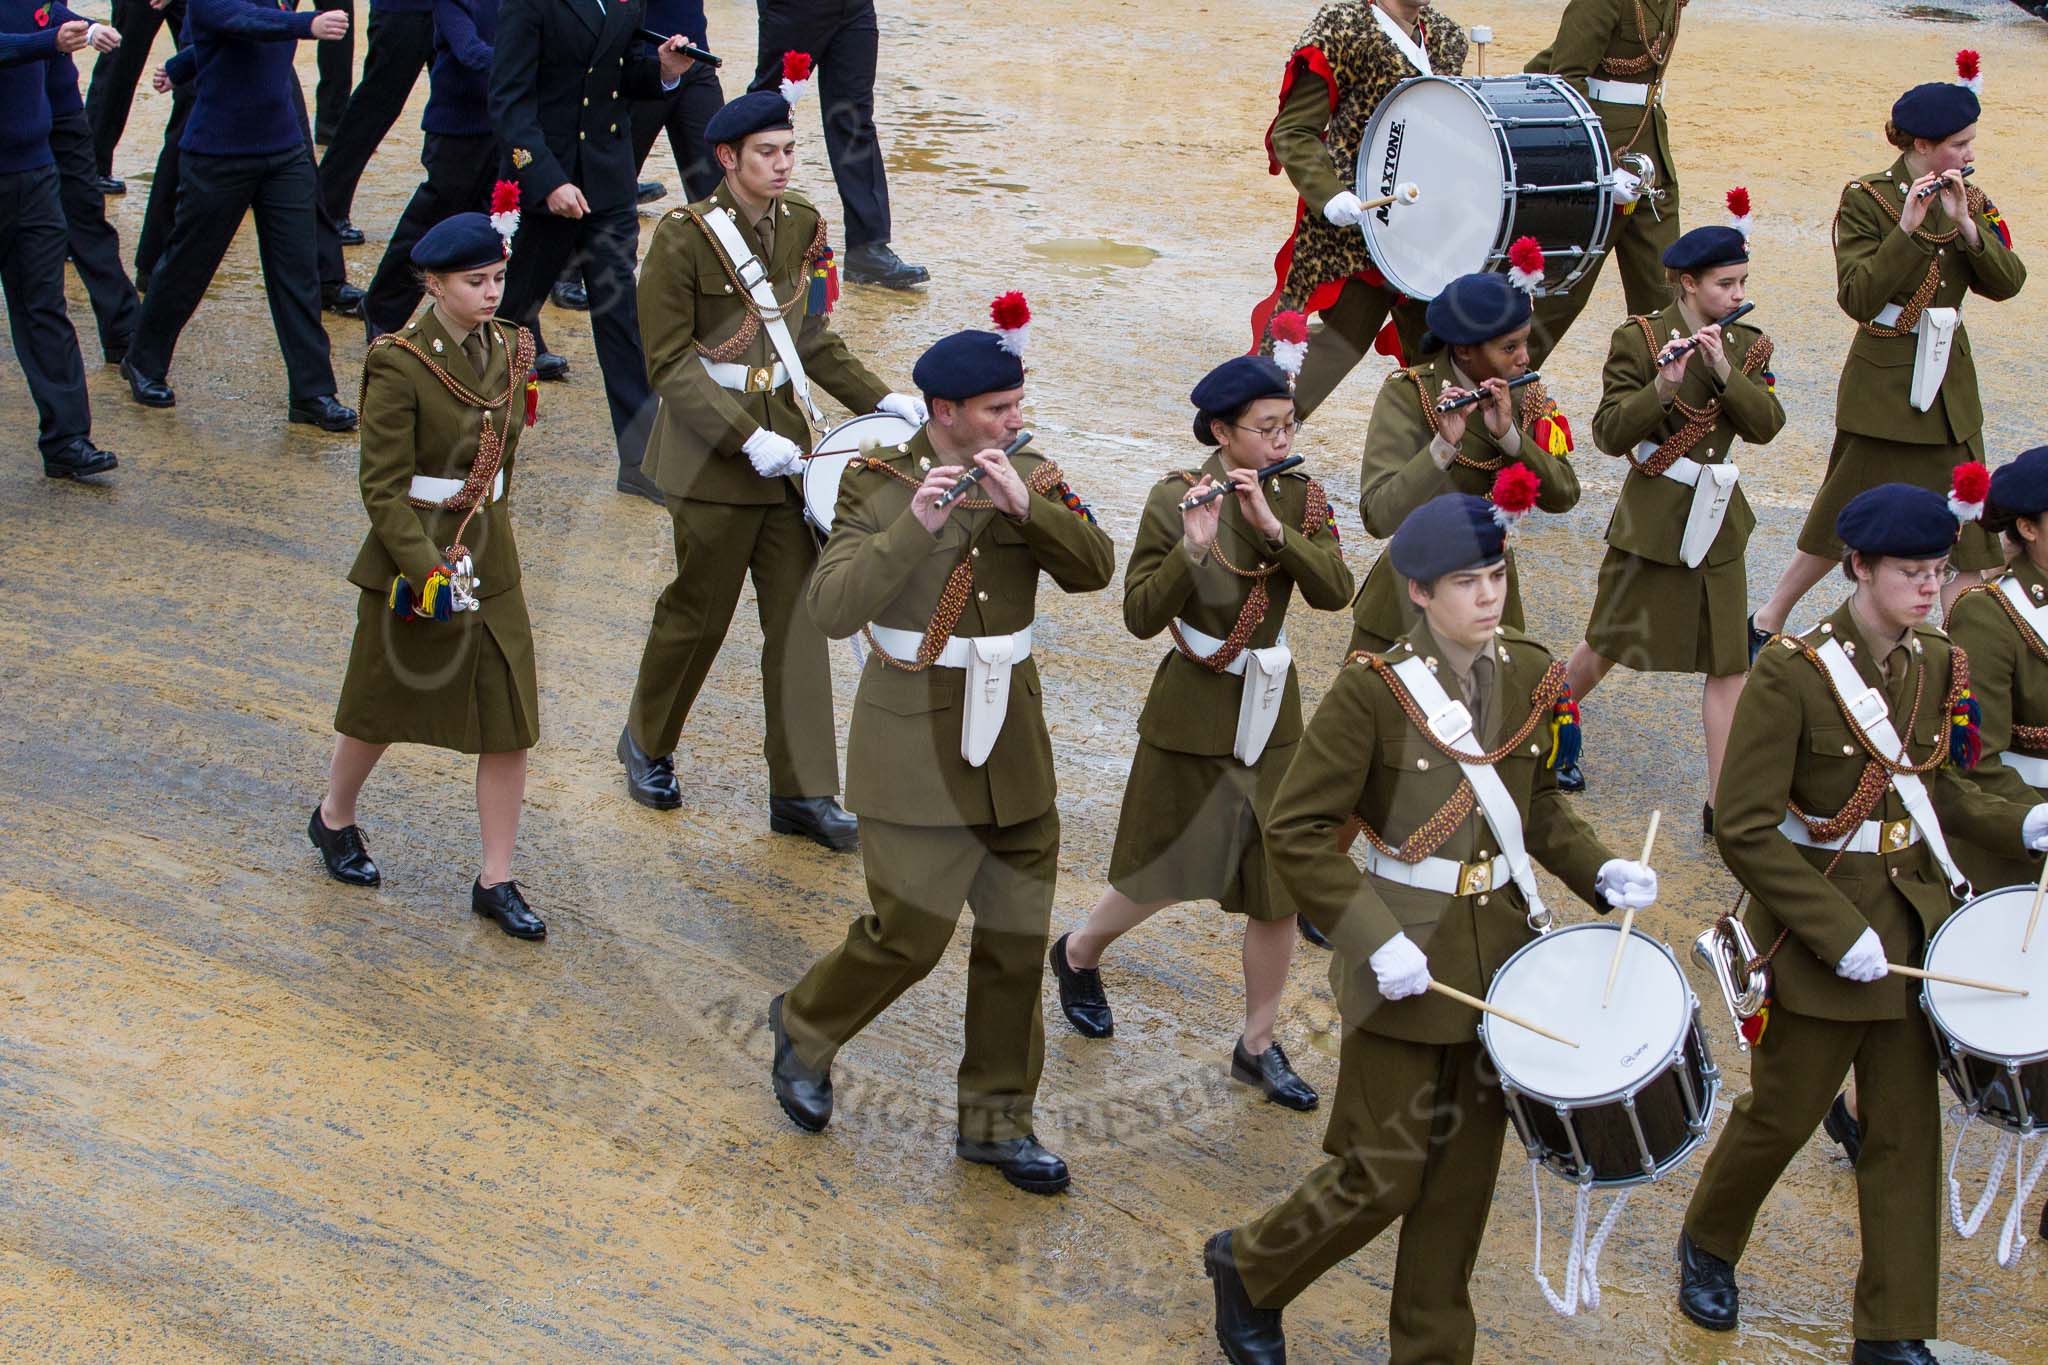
(1938, 14)
(949, 143)
(1092, 255)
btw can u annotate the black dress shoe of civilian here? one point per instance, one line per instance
(504, 905)
(325, 412)
(1842, 1126)
(106, 184)
(1270, 1072)
(1707, 819)
(342, 850)
(1309, 933)
(1081, 997)
(875, 263)
(1706, 1287)
(632, 479)
(1757, 638)
(1570, 778)
(1891, 1353)
(81, 459)
(1022, 1161)
(151, 393)
(549, 367)
(805, 1095)
(1249, 1335)
(349, 233)
(650, 781)
(343, 300)
(818, 818)
(570, 294)
(647, 191)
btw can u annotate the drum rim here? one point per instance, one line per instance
(815, 461)
(1945, 1033)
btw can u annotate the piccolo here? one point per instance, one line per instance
(1936, 187)
(1453, 404)
(1684, 346)
(978, 473)
(1225, 488)
(687, 48)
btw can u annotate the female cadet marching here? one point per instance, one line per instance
(1224, 714)
(1678, 389)
(1911, 242)
(443, 650)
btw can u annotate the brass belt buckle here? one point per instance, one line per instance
(761, 379)
(1896, 835)
(1474, 878)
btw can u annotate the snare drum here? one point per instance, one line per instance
(1496, 158)
(1993, 1049)
(1637, 1094)
(834, 451)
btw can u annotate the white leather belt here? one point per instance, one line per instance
(1616, 92)
(746, 378)
(1265, 672)
(1208, 645)
(2033, 771)
(901, 645)
(1442, 875)
(988, 660)
(1936, 333)
(1888, 316)
(425, 489)
(1872, 836)
(1713, 488)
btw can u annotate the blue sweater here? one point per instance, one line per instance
(62, 85)
(242, 96)
(458, 84)
(403, 6)
(25, 48)
(678, 16)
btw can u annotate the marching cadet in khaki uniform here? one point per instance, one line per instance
(1416, 1123)
(1673, 594)
(1353, 53)
(443, 651)
(948, 760)
(732, 313)
(1224, 714)
(1842, 847)
(1478, 341)
(1911, 243)
(1617, 53)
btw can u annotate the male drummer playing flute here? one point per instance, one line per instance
(1353, 53)
(731, 355)
(1417, 1120)
(1840, 845)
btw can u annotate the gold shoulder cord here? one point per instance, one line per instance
(1315, 514)
(1698, 421)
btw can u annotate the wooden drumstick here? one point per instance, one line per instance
(2034, 915)
(1453, 993)
(1919, 975)
(1628, 917)
(1407, 192)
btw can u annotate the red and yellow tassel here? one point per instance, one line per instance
(435, 602)
(532, 398)
(1752, 1028)
(1552, 432)
(1997, 221)
(1965, 740)
(1564, 732)
(824, 285)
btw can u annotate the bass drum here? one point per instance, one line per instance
(834, 451)
(1993, 1048)
(1496, 158)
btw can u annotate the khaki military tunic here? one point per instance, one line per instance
(2009, 679)
(1880, 437)
(1398, 474)
(937, 833)
(467, 683)
(1792, 745)
(1652, 613)
(1192, 813)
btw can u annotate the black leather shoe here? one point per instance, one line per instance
(650, 781)
(503, 904)
(1309, 933)
(81, 459)
(875, 263)
(1842, 1126)
(570, 294)
(633, 480)
(106, 184)
(1891, 1353)
(349, 233)
(1757, 638)
(549, 367)
(1570, 778)
(805, 1095)
(647, 191)
(1022, 1161)
(1081, 997)
(1270, 1072)
(325, 412)
(1706, 1287)
(1707, 819)
(1248, 1334)
(342, 850)
(343, 300)
(151, 393)
(818, 818)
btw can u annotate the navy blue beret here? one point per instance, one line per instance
(1474, 309)
(966, 365)
(1447, 534)
(1936, 110)
(757, 111)
(466, 241)
(1705, 248)
(1902, 520)
(2020, 488)
(1233, 384)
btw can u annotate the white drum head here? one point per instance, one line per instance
(1982, 940)
(835, 450)
(1434, 133)
(1557, 982)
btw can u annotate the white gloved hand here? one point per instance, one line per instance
(1628, 186)
(1865, 959)
(1345, 209)
(773, 456)
(1401, 968)
(908, 406)
(2034, 833)
(1627, 885)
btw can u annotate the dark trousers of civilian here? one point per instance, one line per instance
(401, 45)
(214, 194)
(94, 246)
(460, 173)
(842, 37)
(32, 245)
(112, 91)
(682, 113)
(161, 212)
(336, 63)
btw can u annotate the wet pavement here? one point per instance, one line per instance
(247, 1113)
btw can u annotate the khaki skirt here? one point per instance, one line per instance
(466, 684)
(1666, 618)
(1192, 828)
(1861, 462)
